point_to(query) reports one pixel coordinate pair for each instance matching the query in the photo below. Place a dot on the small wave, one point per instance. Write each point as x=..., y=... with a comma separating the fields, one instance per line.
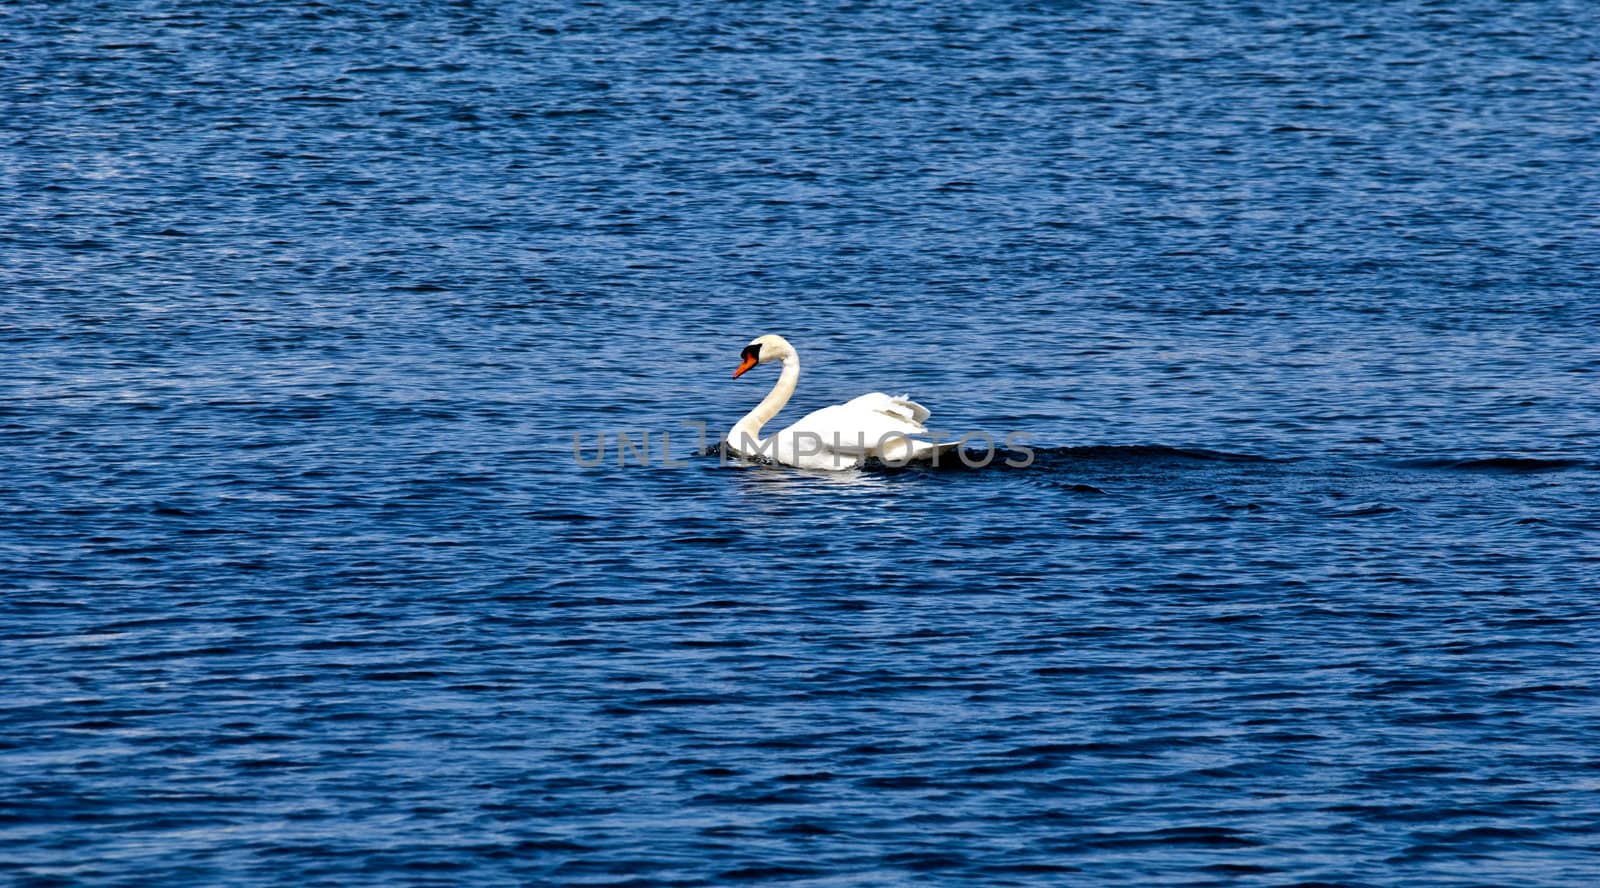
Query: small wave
x=1361, y=510
x=1178, y=836
x=1494, y=464
x=318, y=99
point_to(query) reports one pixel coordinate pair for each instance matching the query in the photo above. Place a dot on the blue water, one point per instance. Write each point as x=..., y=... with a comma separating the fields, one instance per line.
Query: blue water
x=304, y=583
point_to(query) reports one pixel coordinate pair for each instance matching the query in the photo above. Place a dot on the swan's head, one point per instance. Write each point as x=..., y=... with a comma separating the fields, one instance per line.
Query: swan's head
x=761, y=350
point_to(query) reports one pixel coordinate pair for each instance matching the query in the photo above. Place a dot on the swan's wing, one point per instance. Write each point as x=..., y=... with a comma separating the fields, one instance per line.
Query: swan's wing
x=901, y=407
x=857, y=426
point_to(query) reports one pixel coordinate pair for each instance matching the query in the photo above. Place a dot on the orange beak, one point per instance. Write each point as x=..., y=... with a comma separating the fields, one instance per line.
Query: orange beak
x=748, y=362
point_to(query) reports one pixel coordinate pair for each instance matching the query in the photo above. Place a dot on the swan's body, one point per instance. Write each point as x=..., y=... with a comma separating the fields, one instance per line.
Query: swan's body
x=873, y=426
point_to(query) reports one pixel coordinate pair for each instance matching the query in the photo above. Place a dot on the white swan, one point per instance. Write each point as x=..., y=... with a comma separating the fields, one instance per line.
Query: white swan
x=839, y=437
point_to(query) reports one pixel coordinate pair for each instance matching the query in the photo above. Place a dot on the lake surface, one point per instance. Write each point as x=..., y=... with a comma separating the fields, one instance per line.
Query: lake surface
x=304, y=581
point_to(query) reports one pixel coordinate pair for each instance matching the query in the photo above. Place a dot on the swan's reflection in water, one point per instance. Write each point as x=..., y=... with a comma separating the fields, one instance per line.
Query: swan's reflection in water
x=776, y=491
x=786, y=481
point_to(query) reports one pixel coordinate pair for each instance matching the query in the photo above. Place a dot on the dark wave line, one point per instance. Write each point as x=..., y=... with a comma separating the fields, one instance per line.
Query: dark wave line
x=1006, y=458
x=1495, y=464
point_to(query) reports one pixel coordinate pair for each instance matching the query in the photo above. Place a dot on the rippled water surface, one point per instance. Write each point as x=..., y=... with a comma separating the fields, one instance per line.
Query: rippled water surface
x=304, y=581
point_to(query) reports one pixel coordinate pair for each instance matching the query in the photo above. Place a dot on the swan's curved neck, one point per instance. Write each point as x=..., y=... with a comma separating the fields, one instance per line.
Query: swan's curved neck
x=750, y=426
